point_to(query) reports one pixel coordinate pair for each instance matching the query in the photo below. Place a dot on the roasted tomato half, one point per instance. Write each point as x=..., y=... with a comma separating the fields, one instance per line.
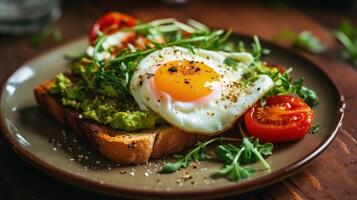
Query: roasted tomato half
x=110, y=23
x=284, y=118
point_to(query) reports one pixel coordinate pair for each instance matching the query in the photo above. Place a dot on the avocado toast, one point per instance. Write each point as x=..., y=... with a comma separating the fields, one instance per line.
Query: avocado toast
x=123, y=147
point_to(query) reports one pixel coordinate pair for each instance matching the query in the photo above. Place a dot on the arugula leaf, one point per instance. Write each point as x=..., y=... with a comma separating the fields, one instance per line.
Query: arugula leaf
x=314, y=129
x=51, y=31
x=207, y=41
x=246, y=153
x=196, y=154
x=234, y=171
x=226, y=152
x=308, y=41
x=284, y=84
x=247, y=156
x=257, y=50
x=253, y=152
x=347, y=28
x=308, y=95
x=198, y=25
x=304, y=40
x=99, y=44
x=172, y=167
x=347, y=35
x=264, y=149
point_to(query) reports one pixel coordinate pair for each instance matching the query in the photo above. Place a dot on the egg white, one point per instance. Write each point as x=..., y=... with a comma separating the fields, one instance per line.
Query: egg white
x=212, y=114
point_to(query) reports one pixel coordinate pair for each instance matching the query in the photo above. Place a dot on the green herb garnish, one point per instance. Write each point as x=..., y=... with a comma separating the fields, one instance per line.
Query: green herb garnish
x=198, y=40
x=304, y=40
x=233, y=156
x=51, y=32
x=196, y=154
x=98, y=45
x=347, y=35
x=246, y=153
x=234, y=171
x=314, y=129
x=257, y=50
x=283, y=82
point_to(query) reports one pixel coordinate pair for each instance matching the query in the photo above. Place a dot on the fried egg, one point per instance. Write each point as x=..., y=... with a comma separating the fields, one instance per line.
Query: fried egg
x=195, y=90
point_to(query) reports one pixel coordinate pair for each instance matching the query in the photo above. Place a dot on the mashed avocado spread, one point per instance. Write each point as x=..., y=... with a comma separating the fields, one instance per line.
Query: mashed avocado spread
x=123, y=114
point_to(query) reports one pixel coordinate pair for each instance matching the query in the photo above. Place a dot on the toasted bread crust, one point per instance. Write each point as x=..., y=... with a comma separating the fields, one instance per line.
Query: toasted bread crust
x=122, y=147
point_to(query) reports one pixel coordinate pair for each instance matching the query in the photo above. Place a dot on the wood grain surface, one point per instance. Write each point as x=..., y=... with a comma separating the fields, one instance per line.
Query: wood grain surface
x=332, y=176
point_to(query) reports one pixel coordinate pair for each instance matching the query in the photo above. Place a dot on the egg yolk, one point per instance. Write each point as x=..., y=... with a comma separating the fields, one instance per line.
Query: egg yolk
x=185, y=80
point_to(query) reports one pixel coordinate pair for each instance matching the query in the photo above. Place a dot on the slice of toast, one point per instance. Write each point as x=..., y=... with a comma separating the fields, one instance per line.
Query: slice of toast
x=122, y=147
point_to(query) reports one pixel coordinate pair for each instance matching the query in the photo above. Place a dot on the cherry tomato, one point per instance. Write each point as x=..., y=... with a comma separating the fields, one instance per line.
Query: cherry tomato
x=109, y=23
x=284, y=118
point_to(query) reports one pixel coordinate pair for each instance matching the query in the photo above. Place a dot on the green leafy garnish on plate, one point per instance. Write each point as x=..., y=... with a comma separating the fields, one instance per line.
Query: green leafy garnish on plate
x=248, y=152
x=196, y=154
x=233, y=157
x=314, y=129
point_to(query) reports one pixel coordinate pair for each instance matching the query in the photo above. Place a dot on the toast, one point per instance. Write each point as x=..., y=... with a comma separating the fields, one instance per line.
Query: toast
x=122, y=147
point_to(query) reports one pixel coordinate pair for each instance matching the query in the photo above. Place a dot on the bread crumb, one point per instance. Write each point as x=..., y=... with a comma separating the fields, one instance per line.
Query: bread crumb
x=178, y=182
x=204, y=169
x=186, y=176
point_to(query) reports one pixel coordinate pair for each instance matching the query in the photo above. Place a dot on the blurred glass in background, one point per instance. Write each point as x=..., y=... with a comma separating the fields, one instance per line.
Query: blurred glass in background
x=175, y=2
x=27, y=16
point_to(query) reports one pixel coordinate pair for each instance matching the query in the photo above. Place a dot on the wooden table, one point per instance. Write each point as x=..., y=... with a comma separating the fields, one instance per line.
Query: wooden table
x=332, y=176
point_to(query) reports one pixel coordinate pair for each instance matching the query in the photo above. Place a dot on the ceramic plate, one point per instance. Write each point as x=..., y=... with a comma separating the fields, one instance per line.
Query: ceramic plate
x=42, y=141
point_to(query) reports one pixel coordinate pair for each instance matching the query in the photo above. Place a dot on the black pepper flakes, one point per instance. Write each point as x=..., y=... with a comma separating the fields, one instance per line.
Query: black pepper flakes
x=140, y=83
x=149, y=75
x=172, y=69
